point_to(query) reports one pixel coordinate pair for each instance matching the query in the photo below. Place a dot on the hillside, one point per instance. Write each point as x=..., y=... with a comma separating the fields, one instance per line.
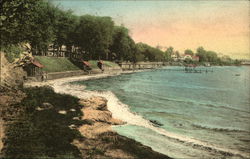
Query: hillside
x=62, y=64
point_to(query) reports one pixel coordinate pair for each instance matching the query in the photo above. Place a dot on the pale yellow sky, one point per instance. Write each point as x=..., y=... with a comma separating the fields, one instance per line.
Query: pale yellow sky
x=221, y=26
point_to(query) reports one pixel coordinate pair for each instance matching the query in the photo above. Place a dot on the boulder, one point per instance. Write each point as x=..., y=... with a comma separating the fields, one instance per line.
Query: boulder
x=45, y=106
x=97, y=103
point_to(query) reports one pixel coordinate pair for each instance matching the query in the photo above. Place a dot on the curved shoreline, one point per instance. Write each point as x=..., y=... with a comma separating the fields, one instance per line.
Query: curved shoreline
x=97, y=127
x=78, y=91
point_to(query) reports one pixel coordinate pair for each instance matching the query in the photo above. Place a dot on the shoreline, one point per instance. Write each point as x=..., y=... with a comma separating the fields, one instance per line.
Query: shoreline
x=101, y=138
x=77, y=90
x=100, y=121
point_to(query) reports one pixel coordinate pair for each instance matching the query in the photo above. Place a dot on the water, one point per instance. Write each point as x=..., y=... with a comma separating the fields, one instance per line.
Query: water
x=203, y=115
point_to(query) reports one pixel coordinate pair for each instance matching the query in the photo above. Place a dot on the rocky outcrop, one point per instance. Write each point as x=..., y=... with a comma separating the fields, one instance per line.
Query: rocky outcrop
x=95, y=112
x=100, y=141
x=10, y=75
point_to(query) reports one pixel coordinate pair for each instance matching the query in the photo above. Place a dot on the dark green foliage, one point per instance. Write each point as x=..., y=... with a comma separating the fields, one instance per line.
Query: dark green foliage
x=45, y=133
x=41, y=30
x=189, y=52
x=212, y=57
x=123, y=46
x=11, y=51
x=65, y=27
x=95, y=36
x=43, y=25
x=149, y=53
x=168, y=53
x=15, y=18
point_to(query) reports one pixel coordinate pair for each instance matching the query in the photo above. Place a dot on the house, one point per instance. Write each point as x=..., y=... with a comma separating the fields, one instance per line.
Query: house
x=189, y=57
x=185, y=57
x=195, y=58
x=34, y=68
x=174, y=57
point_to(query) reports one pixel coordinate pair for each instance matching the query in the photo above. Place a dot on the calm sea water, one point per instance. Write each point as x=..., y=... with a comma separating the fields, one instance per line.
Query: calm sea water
x=212, y=108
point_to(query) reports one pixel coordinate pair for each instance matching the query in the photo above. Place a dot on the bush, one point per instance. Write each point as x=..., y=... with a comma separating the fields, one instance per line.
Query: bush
x=11, y=52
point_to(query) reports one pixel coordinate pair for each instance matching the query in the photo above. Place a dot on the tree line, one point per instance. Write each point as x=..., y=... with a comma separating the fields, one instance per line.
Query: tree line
x=43, y=25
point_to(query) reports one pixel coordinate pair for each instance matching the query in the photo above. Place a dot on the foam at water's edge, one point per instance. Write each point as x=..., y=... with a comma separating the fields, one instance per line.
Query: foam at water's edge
x=121, y=111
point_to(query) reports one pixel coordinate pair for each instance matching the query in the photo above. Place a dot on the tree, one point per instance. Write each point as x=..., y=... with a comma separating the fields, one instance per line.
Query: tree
x=211, y=56
x=201, y=52
x=150, y=53
x=41, y=30
x=15, y=18
x=123, y=45
x=65, y=29
x=189, y=52
x=168, y=53
x=95, y=35
x=177, y=53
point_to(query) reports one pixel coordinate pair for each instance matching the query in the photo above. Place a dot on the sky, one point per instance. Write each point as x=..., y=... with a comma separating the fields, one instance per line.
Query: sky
x=221, y=26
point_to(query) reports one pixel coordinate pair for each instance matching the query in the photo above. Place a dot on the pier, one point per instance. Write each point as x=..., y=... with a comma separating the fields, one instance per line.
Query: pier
x=190, y=70
x=140, y=65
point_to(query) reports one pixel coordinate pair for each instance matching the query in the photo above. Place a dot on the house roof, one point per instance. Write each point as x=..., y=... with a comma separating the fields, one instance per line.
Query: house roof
x=37, y=63
x=86, y=63
x=196, y=57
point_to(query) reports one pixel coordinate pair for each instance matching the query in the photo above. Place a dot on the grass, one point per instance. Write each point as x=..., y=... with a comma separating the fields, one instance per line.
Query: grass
x=61, y=64
x=56, y=64
x=46, y=133
x=93, y=64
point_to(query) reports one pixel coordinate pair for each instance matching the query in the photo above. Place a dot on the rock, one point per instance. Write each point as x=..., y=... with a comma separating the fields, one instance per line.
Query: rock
x=156, y=123
x=45, y=106
x=116, y=122
x=62, y=112
x=76, y=118
x=72, y=126
x=72, y=110
x=97, y=115
x=98, y=103
x=10, y=76
x=4, y=99
x=39, y=109
x=96, y=119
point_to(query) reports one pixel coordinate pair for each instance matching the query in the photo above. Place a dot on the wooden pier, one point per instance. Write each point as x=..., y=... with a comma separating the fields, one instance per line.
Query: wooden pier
x=190, y=70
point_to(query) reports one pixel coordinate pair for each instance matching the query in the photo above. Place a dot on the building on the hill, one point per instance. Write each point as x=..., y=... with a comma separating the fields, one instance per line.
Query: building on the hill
x=34, y=68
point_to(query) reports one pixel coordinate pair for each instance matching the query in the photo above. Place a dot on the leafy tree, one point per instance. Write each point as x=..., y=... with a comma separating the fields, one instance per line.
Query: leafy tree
x=201, y=52
x=189, y=52
x=211, y=56
x=177, y=53
x=150, y=53
x=15, y=18
x=65, y=30
x=41, y=28
x=123, y=45
x=168, y=53
x=95, y=35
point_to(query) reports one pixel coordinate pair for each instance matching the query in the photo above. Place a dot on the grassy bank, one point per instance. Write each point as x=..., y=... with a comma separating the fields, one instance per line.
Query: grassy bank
x=93, y=64
x=56, y=64
x=62, y=64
